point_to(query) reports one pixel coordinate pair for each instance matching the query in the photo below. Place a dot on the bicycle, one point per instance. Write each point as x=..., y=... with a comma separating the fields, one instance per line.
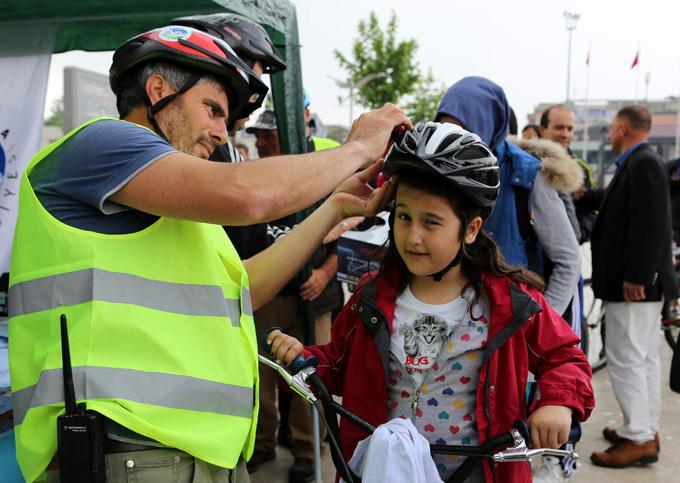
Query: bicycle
x=504, y=448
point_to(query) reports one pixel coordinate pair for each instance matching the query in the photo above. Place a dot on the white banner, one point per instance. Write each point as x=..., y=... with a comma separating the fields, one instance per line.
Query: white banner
x=25, y=53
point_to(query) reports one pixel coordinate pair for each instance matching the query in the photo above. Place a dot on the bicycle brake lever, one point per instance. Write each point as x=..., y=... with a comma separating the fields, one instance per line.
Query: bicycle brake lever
x=520, y=451
x=297, y=382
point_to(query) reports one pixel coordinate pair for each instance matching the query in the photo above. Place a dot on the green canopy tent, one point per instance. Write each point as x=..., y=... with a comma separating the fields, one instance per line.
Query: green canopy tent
x=99, y=25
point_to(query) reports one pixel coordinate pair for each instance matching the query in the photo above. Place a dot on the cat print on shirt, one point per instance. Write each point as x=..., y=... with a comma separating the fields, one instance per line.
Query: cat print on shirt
x=423, y=339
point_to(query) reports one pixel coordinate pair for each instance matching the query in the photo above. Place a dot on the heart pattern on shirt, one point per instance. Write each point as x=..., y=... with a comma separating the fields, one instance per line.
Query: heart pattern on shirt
x=465, y=379
x=429, y=428
x=440, y=379
x=405, y=395
x=454, y=429
x=432, y=402
x=467, y=417
x=447, y=392
x=443, y=415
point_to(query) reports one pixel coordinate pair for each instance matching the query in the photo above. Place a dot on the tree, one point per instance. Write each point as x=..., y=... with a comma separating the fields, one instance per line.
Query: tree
x=422, y=105
x=56, y=114
x=378, y=53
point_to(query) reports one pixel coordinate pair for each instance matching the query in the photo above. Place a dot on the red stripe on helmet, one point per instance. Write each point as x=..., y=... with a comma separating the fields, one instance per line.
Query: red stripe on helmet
x=201, y=39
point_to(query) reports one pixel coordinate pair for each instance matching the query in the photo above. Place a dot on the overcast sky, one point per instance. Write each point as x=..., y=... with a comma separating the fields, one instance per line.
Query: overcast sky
x=521, y=45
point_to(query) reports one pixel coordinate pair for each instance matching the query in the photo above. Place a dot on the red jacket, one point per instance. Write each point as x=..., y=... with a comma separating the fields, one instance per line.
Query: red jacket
x=525, y=334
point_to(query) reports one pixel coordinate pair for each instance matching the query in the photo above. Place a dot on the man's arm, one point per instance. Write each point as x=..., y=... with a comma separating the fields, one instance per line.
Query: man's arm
x=648, y=219
x=557, y=238
x=270, y=270
x=186, y=187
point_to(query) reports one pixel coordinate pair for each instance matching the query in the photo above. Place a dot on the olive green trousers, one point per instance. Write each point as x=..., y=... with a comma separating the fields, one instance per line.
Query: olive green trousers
x=164, y=465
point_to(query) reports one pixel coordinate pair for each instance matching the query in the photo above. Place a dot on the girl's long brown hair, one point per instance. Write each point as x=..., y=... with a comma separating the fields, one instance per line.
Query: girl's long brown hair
x=480, y=256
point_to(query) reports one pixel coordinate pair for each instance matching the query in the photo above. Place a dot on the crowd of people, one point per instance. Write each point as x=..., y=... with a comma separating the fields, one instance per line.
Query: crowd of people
x=172, y=253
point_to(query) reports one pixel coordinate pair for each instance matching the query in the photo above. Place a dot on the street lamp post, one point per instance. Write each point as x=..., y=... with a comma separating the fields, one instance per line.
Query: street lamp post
x=570, y=20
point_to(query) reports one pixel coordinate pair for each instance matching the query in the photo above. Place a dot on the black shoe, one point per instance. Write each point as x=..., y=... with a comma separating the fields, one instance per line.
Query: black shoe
x=302, y=471
x=258, y=459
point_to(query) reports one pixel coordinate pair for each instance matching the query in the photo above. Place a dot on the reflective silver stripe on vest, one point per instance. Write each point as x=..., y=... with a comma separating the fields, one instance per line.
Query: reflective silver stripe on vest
x=87, y=285
x=159, y=389
x=246, y=303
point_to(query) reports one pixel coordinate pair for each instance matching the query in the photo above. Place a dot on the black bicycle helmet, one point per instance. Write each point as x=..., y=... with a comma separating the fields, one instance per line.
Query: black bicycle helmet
x=447, y=150
x=197, y=51
x=248, y=39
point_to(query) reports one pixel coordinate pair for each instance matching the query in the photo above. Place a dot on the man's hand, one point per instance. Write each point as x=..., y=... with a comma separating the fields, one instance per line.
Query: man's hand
x=372, y=130
x=355, y=197
x=315, y=284
x=633, y=292
x=550, y=426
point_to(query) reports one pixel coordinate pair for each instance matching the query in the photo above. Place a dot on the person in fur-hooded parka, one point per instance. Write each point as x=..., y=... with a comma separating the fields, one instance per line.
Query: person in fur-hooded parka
x=559, y=170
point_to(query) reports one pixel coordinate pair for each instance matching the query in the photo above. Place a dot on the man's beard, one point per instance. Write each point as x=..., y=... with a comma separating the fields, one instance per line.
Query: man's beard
x=178, y=133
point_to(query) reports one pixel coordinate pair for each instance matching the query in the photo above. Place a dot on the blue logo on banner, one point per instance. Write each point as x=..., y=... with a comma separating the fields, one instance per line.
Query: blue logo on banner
x=2, y=165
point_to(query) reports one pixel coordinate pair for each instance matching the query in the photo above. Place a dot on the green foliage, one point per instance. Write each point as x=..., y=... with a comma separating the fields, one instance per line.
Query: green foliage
x=378, y=53
x=422, y=105
x=395, y=74
x=56, y=114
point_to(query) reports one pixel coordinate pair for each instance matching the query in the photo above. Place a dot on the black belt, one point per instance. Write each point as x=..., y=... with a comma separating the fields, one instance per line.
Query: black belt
x=113, y=446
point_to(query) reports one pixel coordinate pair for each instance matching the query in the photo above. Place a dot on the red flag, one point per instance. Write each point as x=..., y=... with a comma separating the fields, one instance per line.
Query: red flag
x=636, y=60
x=588, y=58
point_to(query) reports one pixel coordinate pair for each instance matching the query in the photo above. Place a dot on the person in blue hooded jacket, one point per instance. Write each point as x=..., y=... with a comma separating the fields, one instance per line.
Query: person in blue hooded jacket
x=480, y=105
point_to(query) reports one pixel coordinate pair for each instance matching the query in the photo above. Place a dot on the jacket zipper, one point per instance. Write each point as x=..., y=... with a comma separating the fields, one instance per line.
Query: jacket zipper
x=414, y=405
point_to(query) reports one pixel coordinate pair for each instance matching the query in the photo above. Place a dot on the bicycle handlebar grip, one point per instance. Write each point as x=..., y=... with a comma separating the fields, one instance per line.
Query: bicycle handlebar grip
x=523, y=428
x=575, y=432
x=298, y=363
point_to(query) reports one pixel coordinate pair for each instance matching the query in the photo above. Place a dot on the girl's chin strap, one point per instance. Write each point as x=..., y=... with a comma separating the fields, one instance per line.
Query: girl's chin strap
x=437, y=277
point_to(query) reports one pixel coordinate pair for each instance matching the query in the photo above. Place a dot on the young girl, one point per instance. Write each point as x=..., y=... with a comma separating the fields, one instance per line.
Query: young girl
x=446, y=332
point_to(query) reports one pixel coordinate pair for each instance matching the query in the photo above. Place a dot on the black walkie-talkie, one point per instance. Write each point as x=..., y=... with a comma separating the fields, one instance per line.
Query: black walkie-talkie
x=80, y=433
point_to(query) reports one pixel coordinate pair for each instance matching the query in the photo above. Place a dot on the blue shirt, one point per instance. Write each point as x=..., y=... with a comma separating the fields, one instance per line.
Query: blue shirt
x=621, y=159
x=75, y=181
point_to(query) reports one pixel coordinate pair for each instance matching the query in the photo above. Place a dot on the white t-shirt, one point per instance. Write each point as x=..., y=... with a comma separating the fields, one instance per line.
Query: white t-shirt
x=420, y=329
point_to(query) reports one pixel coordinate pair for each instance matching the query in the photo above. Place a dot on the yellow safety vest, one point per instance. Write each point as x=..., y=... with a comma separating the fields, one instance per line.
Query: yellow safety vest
x=160, y=326
x=324, y=143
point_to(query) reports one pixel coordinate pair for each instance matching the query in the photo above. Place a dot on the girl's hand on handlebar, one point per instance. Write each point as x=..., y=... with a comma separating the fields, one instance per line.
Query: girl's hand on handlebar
x=550, y=426
x=284, y=348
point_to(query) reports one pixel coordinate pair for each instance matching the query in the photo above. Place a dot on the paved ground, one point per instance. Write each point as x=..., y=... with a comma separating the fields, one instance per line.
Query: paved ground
x=606, y=414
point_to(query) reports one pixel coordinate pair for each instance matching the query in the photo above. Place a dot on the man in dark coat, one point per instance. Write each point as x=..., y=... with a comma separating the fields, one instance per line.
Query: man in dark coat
x=633, y=273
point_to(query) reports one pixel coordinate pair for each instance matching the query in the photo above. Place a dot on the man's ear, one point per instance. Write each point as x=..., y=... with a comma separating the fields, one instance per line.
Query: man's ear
x=157, y=88
x=473, y=230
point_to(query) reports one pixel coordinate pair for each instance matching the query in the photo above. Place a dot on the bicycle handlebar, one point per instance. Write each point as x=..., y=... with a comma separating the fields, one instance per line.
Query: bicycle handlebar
x=298, y=363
